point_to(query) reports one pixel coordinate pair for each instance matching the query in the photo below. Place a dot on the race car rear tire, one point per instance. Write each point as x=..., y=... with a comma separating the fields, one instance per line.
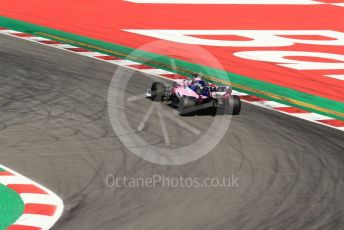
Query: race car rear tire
x=186, y=103
x=157, y=91
x=233, y=105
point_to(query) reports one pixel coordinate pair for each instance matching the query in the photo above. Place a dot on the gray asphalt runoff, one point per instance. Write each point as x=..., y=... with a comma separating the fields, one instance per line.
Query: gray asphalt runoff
x=55, y=129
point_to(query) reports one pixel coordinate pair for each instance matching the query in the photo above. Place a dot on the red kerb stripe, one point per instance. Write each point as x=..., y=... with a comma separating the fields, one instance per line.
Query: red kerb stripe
x=5, y=173
x=108, y=58
x=333, y=122
x=22, y=227
x=50, y=42
x=252, y=98
x=291, y=110
x=139, y=66
x=40, y=209
x=23, y=35
x=26, y=188
x=78, y=49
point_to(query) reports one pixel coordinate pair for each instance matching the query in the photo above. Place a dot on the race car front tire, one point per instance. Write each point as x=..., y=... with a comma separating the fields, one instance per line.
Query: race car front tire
x=158, y=91
x=233, y=105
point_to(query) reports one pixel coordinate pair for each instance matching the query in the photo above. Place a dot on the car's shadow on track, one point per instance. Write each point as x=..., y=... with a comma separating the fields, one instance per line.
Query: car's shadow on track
x=213, y=112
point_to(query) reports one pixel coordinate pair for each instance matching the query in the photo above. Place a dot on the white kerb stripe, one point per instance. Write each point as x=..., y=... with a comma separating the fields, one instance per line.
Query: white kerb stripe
x=337, y=76
x=124, y=62
x=267, y=104
x=310, y=116
x=63, y=46
x=14, y=180
x=37, y=39
x=30, y=198
x=338, y=4
x=91, y=54
x=33, y=220
x=156, y=71
x=239, y=93
x=9, y=32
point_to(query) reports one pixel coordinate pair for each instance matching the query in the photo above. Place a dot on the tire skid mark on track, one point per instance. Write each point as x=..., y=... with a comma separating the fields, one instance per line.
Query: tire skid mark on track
x=42, y=207
x=267, y=104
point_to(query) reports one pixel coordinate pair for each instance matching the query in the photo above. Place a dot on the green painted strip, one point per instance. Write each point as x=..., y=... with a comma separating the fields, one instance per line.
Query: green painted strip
x=262, y=89
x=11, y=207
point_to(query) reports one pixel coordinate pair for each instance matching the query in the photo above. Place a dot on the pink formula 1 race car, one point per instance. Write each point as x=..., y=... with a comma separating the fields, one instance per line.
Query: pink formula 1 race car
x=194, y=94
